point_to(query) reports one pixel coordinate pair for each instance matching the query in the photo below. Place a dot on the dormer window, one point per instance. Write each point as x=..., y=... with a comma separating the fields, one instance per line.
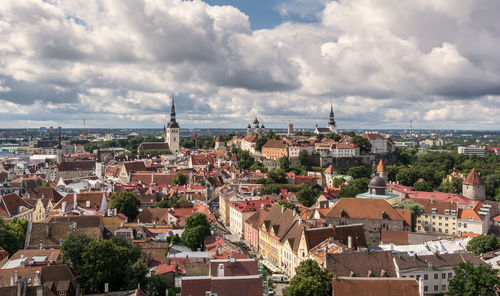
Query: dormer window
x=384, y=215
x=434, y=210
x=343, y=214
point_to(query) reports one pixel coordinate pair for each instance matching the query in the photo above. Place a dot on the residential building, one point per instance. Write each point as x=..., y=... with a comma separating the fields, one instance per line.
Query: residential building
x=340, y=150
x=374, y=214
x=472, y=150
x=379, y=143
x=438, y=217
x=474, y=221
x=435, y=270
x=362, y=264
x=294, y=148
x=274, y=149
x=240, y=211
x=251, y=227
x=369, y=286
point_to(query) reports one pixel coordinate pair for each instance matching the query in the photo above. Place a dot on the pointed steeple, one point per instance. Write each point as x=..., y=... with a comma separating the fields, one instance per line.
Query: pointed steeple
x=173, y=123
x=332, y=121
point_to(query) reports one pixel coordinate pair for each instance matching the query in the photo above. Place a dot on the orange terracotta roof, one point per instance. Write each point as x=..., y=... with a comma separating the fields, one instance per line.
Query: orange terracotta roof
x=473, y=179
x=469, y=214
x=381, y=166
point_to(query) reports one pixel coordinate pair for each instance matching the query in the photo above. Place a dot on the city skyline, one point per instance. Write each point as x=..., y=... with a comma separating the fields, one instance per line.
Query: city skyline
x=381, y=65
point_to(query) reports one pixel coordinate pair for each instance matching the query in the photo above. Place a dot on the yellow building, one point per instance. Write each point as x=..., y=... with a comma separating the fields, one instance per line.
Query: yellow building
x=438, y=217
x=42, y=208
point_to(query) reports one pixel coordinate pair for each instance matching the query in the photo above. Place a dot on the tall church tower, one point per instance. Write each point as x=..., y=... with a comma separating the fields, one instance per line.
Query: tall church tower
x=331, y=124
x=59, y=148
x=172, y=131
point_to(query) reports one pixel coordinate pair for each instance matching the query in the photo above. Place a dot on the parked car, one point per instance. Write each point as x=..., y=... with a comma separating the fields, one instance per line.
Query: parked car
x=280, y=278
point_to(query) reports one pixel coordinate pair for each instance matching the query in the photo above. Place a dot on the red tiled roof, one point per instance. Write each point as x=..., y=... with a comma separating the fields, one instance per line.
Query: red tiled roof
x=363, y=209
x=473, y=179
x=381, y=166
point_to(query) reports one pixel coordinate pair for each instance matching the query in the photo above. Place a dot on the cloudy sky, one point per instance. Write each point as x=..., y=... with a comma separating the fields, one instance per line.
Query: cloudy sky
x=381, y=63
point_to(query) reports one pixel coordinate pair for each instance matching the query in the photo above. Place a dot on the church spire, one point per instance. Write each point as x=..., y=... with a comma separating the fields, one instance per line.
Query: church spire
x=173, y=122
x=332, y=120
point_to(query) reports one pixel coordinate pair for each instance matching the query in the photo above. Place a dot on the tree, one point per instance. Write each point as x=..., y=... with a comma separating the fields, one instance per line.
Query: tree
x=333, y=136
x=348, y=191
x=482, y=244
x=73, y=248
x=126, y=203
x=172, y=240
x=289, y=205
x=422, y=186
x=245, y=160
x=277, y=176
x=13, y=234
x=337, y=181
x=359, y=172
x=416, y=210
x=106, y=262
x=284, y=163
x=364, y=144
x=304, y=158
x=157, y=285
x=195, y=231
x=473, y=280
x=451, y=186
x=310, y=280
x=308, y=196
x=180, y=179
x=407, y=176
x=257, y=165
x=361, y=184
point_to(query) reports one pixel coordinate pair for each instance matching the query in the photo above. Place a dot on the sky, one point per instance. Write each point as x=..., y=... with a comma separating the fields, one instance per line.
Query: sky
x=379, y=63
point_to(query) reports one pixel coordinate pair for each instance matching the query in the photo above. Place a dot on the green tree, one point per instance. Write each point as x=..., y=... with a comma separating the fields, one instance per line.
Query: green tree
x=73, y=248
x=348, y=191
x=422, y=186
x=106, y=262
x=361, y=184
x=277, y=176
x=195, y=231
x=270, y=189
x=180, y=179
x=284, y=163
x=288, y=205
x=470, y=280
x=337, y=181
x=333, y=136
x=364, y=144
x=308, y=196
x=257, y=165
x=304, y=158
x=126, y=203
x=482, y=244
x=13, y=234
x=172, y=240
x=407, y=176
x=359, y=172
x=156, y=286
x=310, y=280
x=451, y=186
x=416, y=210
x=245, y=160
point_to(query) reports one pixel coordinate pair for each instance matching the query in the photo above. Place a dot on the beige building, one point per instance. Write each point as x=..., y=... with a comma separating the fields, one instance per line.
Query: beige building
x=438, y=217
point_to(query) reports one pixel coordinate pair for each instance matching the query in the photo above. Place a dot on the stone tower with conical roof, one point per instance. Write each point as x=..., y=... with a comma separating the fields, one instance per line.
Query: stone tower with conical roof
x=172, y=134
x=382, y=170
x=473, y=186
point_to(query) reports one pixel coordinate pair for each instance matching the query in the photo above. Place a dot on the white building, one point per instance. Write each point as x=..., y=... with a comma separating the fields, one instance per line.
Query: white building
x=172, y=131
x=240, y=211
x=379, y=143
x=472, y=150
x=344, y=150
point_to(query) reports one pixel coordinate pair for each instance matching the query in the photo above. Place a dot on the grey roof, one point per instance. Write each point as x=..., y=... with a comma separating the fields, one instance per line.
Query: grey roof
x=377, y=181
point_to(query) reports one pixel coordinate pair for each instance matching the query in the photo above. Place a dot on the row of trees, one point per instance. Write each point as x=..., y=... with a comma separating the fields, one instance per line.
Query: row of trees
x=131, y=143
x=13, y=234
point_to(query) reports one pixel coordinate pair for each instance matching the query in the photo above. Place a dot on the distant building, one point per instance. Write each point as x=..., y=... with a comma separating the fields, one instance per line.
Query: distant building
x=472, y=150
x=219, y=143
x=377, y=189
x=331, y=127
x=274, y=149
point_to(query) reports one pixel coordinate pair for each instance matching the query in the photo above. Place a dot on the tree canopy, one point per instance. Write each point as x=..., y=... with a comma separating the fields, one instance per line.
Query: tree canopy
x=470, y=280
x=73, y=248
x=126, y=203
x=277, y=176
x=364, y=144
x=359, y=172
x=310, y=280
x=482, y=244
x=180, y=179
x=195, y=231
x=416, y=210
x=308, y=196
x=13, y=234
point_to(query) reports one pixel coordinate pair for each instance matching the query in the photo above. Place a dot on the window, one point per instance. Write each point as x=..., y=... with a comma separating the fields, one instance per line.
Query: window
x=436, y=287
x=411, y=275
x=443, y=275
x=465, y=225
x=440, y=217
x=443, y=287
x=436, y=276
x=418, y=277
x=459, y=224
x=450, y=275
x=440, y=224
x=420, y=228
x=426, y=276
x=426, y=288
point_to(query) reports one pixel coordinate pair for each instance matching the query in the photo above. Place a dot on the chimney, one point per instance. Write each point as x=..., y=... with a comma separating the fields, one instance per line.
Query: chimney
x=349, y=241
x=421, y=286
x=220, y=270
x=75, y=204
x=40, y=246
x=282, y=209
x=87, y=203
x=15, y=276
x=64, y=205
x=262, y=206
x=37, y=281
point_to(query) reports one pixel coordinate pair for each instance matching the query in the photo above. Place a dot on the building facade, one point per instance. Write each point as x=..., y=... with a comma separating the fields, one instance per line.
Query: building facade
x=172, y=134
